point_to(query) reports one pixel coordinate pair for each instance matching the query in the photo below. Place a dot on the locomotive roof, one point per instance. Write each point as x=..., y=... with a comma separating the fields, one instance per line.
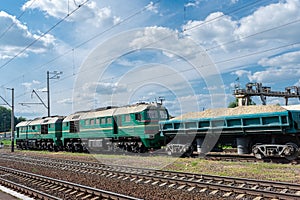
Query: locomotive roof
x=133, y=109
x=110, y=111
x=23, y=123
x=37, y=121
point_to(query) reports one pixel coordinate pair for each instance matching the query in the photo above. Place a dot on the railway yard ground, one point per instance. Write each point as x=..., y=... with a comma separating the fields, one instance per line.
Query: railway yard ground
x=249, y=170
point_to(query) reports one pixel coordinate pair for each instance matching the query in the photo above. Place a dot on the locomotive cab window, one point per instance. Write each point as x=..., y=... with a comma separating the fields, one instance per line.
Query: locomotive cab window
x=127, y=118
x=74, y=126
x=138, y=117
x=103, y=120
x=163, y=114
x=92, y=121
x=152, y=114
x=44, y=129
x=109, y=120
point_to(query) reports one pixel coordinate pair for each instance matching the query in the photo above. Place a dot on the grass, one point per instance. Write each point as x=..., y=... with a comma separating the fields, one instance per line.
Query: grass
x=263, y=171
x=6, y=142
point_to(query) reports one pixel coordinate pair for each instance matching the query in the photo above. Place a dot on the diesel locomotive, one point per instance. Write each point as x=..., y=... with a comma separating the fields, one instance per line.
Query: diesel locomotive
x=131, y=128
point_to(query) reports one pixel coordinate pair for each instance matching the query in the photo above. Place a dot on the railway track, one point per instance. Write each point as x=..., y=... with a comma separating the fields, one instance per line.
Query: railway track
x=225, y=187
x=40, y=187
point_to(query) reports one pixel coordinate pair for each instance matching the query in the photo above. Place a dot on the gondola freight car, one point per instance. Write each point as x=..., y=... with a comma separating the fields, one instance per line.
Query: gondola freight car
x=265, y=131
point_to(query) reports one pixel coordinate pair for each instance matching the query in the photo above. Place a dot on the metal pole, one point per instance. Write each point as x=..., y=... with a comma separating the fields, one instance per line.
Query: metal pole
x=12, y=121
x=48, y=93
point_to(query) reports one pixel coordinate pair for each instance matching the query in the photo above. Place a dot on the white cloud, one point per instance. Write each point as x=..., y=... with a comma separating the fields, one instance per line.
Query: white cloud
x=90, y=12
x=271, y=16
x=192, y=3
x=129, y=63
x=290, y=59
x=281, y=67
x=17, y=37
x=66, y=101
x=152, y=7
x=212, y=33
x=29, y=85
x=275, y=75
x=227, y=39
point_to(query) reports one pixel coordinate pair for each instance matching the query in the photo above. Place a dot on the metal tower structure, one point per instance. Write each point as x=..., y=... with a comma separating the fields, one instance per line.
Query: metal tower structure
x=257, y=89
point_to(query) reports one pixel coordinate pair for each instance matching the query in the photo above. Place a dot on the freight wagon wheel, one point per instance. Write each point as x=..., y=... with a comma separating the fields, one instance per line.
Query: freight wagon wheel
x=259, y=155
x=294, y=152
x=257, y=152
x=169, y=150
x=189, y=152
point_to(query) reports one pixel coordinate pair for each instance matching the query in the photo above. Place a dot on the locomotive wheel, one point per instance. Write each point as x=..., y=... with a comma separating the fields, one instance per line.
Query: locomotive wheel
x=55, y=148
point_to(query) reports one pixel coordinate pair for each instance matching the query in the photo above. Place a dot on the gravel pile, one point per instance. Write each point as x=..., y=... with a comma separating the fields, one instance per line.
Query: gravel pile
x=231, y=111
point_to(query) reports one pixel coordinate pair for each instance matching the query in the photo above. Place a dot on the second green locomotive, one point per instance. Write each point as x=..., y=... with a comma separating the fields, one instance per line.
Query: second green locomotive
x=131, y=128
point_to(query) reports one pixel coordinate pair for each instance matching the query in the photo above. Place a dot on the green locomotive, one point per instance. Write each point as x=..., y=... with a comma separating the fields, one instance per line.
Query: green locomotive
x=132, y=128
x=40, y=133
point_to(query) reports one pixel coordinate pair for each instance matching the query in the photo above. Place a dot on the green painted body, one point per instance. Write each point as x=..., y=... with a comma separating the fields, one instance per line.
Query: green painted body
x=128, y=126
x=285, y=122
x=36, y=132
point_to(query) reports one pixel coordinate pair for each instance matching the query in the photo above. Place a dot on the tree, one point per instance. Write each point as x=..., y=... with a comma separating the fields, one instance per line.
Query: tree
x=5, y=115
x=235, y=103
x=5, y=119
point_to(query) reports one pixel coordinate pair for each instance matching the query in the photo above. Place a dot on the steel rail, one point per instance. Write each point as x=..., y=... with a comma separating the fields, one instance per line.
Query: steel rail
x=27, y=190
x=268, y=189
x=74, y=186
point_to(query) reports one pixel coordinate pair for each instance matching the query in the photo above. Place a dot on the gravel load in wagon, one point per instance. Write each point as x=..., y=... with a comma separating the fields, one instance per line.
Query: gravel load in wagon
x=218, y=112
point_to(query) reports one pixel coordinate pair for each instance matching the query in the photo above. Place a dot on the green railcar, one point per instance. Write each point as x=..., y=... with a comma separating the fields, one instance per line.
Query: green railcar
x=265, y=131
x=131, y=128
x=40, y=134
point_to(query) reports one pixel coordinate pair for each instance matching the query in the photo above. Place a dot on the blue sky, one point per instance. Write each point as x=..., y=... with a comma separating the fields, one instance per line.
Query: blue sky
x=116, y=52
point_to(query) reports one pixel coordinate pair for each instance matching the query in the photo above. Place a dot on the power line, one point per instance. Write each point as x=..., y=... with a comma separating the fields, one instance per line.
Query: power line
x=213, y=47
x=42, y=35
x=164, y=38
x=92, y=38
x=131, y=16
x=12, y=24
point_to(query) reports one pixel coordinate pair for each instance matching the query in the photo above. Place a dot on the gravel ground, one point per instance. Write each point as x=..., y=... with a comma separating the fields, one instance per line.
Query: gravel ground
x=262, y=171
x=143, y=191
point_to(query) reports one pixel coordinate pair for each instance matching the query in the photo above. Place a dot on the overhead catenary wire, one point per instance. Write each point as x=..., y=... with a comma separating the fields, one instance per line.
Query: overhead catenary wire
x=12, y=24
x=96, y=36
x=163, y=38
x=128, y=18
x=90, y=39
x=41, y=36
